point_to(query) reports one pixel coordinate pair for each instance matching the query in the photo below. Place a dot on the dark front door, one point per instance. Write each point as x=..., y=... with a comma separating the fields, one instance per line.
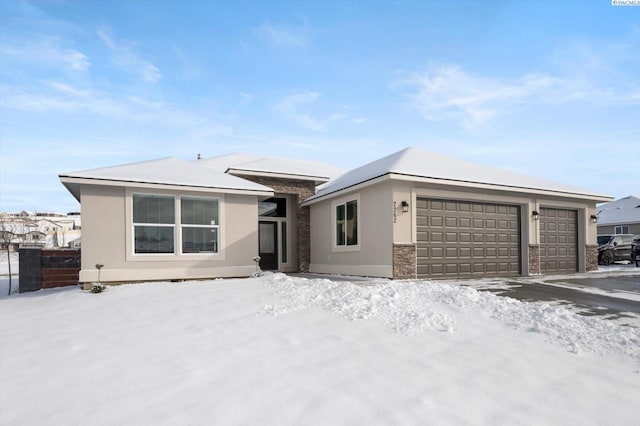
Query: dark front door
x=268, y=237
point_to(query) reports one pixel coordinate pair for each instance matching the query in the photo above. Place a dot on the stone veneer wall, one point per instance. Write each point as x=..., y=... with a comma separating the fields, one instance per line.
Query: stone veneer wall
x=592, y=258
x=534, y=259
x=404, y=261
x=303, y=189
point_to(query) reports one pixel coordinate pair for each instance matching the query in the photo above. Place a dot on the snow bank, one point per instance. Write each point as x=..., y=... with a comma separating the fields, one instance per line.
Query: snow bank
x=278, y=350
x=416, y=307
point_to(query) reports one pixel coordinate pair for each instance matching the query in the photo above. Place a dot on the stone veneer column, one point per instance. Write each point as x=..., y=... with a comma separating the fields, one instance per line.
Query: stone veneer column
x=534, y=259
x=303, y=189
x=404, y=261
x=592, y=258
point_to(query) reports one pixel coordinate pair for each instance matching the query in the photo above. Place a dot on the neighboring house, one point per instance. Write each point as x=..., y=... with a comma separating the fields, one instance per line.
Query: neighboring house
x=620, y=216
x=43, y=229
x=413, y=214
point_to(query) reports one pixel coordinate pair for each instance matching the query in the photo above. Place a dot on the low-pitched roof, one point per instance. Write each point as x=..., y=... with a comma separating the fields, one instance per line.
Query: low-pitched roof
x=257, y=165
x=168, y=172
x=418, y=165
x=620, y=212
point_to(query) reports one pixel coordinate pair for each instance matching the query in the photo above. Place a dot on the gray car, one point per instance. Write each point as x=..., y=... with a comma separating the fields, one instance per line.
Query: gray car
x=612, y=248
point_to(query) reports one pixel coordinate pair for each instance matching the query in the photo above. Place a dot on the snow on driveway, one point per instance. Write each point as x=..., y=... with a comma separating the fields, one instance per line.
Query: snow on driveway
x=279, y=350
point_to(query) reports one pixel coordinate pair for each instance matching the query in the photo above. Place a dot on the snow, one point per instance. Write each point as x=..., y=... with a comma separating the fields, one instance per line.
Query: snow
x=238, y=162
x=623, y=211
x=164, y=171
x=417, y=163
x=282, y=350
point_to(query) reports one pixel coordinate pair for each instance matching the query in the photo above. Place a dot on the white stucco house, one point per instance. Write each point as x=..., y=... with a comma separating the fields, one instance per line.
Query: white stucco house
x=412, y=214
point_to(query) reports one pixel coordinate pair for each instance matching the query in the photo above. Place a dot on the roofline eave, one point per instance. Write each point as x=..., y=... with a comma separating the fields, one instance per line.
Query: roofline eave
x=70, y=180
x=291, y=176
x=457, y=183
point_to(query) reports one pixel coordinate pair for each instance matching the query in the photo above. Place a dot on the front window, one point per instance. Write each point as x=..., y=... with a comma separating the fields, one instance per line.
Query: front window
x=160, y=224
x=347, y=224
x=622, y=230
x=199, y=220
x=153, y=223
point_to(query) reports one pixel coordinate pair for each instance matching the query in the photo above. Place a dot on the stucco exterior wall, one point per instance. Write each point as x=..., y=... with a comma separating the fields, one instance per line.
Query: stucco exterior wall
x=634, y=228
x=374, y=256
x=107, y=239
x=384, y=225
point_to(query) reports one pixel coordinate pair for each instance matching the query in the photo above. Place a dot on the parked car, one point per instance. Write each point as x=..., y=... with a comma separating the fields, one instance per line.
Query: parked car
x=635, y=250
x=612, y=248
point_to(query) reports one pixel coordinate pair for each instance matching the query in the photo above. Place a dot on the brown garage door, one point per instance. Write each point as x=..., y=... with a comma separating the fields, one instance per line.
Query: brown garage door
x=558, y=240
x=462, y=239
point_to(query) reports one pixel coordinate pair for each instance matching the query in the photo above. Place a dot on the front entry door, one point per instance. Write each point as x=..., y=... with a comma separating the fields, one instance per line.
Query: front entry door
x=268, y=241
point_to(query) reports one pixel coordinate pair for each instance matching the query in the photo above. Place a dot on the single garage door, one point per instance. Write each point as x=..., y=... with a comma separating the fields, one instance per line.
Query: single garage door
x=558, y=240
x=463, y=238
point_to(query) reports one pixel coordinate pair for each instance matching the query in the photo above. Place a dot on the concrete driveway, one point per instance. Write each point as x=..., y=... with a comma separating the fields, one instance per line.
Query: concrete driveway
x=613, y=293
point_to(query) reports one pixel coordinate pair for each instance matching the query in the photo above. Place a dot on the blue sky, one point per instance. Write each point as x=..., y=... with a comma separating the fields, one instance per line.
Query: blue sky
x=547, y=88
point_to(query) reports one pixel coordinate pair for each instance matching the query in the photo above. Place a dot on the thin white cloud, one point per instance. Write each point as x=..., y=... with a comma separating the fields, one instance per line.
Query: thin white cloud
x=59, y=97
x=290, y=108
x=283, y=37
x=448, y=92
x=125, y=56
x=47, y=50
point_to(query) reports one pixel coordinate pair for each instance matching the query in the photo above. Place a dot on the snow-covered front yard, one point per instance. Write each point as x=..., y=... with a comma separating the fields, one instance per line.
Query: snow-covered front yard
x=280, y=350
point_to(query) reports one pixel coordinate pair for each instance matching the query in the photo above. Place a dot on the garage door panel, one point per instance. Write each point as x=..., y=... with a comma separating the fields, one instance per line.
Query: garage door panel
x=471, y=238
x=558, y=240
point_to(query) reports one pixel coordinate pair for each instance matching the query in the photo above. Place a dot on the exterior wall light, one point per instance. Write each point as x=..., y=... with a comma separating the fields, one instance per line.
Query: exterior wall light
x=594, y=218
x=535, y=215
x=405, y=207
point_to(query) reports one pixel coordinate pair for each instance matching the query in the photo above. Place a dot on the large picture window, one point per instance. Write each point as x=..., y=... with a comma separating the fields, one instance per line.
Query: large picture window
x=153, y=223
x=199, y=223
x=157, y=217
x=347, y=224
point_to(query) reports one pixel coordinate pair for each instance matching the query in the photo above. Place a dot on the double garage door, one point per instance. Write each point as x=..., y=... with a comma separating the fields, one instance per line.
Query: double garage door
x=465, y=239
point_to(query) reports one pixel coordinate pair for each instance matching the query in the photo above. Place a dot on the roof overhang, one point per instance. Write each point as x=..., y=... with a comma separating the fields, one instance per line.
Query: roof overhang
x=457, y=184
x=317, y=180
x=73, y=185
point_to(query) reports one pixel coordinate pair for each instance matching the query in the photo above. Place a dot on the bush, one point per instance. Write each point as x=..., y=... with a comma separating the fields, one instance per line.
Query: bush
x=97, y=288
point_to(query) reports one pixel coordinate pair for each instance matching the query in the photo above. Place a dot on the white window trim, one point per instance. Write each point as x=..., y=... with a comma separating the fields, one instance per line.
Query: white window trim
x=181, y=226
x=177, y=254
x=159, y=225
x=344, y=201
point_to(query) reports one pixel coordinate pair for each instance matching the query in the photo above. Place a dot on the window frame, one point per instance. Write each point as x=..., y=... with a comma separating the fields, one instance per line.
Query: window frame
x=334, y=224
x=148, y=224
x=178, y=252
x=621, y=228
x=216, y=226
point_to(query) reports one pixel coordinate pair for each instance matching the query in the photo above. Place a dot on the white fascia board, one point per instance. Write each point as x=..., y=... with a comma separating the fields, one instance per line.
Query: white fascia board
x=244, y=172
x=356, y=187
x=137, y=184
x=469, y=184
x=462, y=184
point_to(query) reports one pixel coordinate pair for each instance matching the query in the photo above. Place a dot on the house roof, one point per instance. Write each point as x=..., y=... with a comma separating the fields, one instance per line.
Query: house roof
x=619, y=212
x=418, y=165
x=169, y=172
x=257, y=165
